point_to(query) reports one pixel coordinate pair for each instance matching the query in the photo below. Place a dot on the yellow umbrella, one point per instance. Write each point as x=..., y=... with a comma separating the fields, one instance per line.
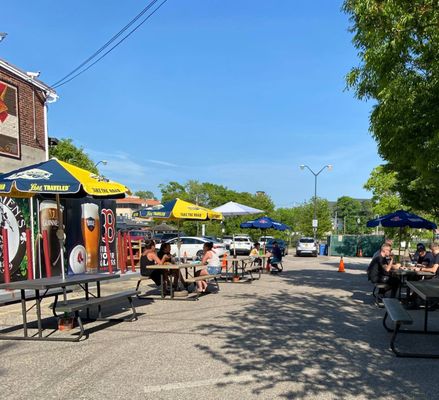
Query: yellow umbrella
x=178, y=209
x=58, y=178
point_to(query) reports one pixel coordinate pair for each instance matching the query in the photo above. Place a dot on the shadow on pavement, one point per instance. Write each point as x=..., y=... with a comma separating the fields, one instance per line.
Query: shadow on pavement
x=317, y=342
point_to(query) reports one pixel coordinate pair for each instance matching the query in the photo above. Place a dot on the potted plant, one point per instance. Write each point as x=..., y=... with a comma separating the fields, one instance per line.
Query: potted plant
x=66, y=322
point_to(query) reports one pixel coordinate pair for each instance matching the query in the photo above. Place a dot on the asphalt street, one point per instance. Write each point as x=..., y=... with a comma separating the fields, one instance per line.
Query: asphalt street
x=307, y=333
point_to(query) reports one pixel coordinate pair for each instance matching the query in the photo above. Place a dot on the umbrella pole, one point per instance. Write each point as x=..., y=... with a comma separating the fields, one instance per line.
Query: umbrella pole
x=178, y=241
x=32, y=232
x=400, y=239
x=60, y=236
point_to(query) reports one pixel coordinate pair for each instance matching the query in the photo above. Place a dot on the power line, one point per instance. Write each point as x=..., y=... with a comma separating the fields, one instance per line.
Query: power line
x=64, y=80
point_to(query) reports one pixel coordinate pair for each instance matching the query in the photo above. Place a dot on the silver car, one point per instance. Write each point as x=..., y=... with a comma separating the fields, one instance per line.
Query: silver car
x=306, y=245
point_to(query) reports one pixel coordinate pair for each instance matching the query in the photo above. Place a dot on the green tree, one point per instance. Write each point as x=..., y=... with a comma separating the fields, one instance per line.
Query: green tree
x=66, y=151
x=351, y=212
x=306, y=214
x=145, y=194
x=385, y=197
x=398, y=47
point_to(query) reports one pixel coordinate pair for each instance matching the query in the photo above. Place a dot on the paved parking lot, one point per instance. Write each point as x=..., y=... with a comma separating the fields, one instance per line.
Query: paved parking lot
x=307, y=333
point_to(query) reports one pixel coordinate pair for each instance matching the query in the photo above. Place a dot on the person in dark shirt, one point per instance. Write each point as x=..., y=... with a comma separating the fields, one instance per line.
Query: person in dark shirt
x=425, y=258
x=275, y=258
x=434, y=264
x=380, y=267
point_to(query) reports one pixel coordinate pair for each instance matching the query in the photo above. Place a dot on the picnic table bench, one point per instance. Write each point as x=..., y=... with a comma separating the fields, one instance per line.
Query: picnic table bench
x=74, y=306
x=399, y=316
x=41, y=288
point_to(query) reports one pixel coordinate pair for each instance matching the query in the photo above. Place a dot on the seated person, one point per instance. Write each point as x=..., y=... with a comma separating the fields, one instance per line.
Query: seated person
x=211, y=259
x=423, y=258
x=387, y=241
x=380, y=267
x=275, y=258
x=255, y=252
x=434, y=264
x=149, y=257
x=165, y=255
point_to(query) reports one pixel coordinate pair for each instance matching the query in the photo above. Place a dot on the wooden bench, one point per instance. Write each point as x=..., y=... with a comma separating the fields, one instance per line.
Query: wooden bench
x=31, y=297
x=252, y=267
x=195, y=279
x=74, y=306
x=378, y=298
x=399, y=316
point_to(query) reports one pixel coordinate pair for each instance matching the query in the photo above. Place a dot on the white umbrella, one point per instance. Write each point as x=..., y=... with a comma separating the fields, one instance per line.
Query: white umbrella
x=232, y=209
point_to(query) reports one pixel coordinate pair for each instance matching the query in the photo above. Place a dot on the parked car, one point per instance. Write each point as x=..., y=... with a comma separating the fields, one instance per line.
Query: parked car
x=193, y=247
x=228, y=239
x=243, y=245
x=137, y=234
x=281, y=243
x=306, y=245
x=263, y=240
x=167, y=236
x=217, y=239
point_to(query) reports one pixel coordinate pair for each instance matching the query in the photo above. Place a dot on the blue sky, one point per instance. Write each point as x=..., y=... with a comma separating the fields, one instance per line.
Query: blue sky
x=234, y=92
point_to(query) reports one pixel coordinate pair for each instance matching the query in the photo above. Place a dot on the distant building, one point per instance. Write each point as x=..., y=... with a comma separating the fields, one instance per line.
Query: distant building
x=23, y=117
x=125, y=207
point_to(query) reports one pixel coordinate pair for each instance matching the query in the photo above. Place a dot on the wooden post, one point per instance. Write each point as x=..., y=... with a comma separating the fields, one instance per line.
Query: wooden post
x=120, y=253
x=133, y=267
x=30, y=266
x=6, y=272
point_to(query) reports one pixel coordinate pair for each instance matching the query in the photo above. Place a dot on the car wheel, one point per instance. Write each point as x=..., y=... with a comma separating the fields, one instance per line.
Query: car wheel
x=199, y=255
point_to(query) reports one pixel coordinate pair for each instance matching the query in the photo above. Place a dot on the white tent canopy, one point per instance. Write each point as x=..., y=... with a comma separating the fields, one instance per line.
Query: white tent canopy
x=231, y=209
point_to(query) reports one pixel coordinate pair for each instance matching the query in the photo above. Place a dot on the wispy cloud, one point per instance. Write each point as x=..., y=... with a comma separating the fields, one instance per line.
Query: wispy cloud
x=165, y=163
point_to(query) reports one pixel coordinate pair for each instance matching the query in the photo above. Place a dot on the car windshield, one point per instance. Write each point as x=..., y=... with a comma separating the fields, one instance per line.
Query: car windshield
x=238, y=239
x=306, y=240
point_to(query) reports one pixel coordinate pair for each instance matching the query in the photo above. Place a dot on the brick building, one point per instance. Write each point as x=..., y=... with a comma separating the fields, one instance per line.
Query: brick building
x=23, y=117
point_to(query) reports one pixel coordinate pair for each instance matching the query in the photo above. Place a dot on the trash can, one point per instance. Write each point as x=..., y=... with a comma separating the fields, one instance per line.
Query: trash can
x=322, y=249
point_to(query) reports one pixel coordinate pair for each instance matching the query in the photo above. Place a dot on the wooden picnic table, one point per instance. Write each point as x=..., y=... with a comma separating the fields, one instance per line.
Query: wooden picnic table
x=427, y=290
x=404, y=274
x=45, y=284
x=172, y=267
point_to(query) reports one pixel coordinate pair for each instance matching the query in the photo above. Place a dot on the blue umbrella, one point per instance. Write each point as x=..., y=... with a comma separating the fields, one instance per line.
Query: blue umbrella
x=265, y=223
x=400, y=219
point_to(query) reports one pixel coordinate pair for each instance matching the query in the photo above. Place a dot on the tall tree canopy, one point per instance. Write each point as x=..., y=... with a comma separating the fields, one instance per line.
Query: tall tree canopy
x=66, y=151
x=145, y=194
x=398, y=46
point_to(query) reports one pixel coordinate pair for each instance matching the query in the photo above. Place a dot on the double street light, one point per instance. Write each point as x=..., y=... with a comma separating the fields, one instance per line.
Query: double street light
x=316, y=174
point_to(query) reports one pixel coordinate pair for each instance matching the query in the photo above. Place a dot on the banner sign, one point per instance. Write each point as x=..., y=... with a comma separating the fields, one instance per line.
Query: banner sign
x=89, y=223
x=9, y=124
x=14, y=216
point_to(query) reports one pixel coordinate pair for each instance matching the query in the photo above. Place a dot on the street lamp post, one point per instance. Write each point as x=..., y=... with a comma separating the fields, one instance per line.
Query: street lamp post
x=104, y=162
x=314, y=221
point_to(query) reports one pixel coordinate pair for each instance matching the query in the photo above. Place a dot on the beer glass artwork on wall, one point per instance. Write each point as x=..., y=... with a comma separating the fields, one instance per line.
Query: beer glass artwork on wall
x=90, y=224
x=49, y=223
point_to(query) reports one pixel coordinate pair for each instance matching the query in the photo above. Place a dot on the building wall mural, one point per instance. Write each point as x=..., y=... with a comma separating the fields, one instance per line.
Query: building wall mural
x=9, y=121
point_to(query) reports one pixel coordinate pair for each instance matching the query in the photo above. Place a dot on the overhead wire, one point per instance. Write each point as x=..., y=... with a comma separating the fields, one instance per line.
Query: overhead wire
x=64, y=80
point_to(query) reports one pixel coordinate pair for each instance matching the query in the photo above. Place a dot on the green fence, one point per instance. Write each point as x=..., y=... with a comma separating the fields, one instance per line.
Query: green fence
x=350, y=245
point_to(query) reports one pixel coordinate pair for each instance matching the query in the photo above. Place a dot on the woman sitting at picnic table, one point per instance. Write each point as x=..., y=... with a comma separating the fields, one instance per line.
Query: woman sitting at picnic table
x=255, y=253
x=150, y=257
x=211, y=259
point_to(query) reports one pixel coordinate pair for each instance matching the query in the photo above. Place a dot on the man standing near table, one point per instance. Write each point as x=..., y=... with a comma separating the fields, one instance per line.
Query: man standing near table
x=380, y=267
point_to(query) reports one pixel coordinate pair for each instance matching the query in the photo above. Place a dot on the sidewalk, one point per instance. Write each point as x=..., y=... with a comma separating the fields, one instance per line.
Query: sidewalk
x=309, y=332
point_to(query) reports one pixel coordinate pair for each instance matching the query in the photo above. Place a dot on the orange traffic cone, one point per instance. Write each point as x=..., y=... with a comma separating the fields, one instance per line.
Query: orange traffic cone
x=360, y=253
x=341, y=266
x=224, y=262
